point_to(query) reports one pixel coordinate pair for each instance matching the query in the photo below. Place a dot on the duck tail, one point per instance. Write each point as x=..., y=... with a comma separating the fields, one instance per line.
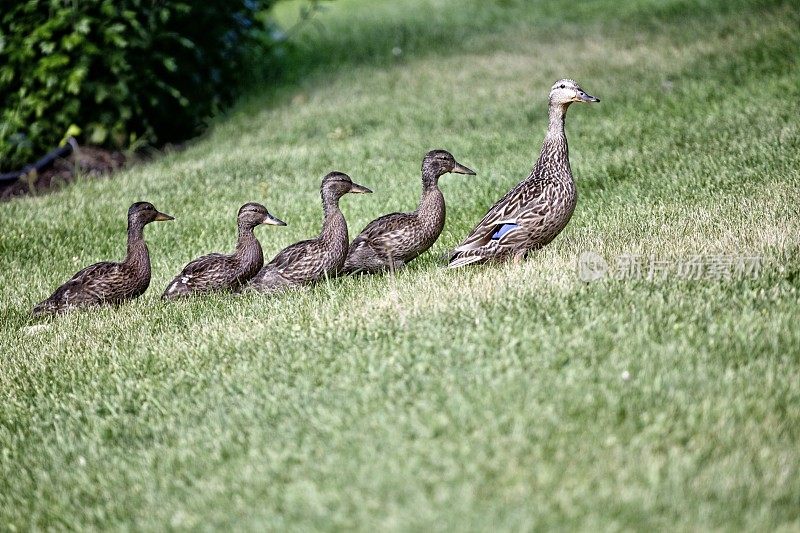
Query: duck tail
x=348, y=267
x=46, y=307
x=459, y=259
x=176, y=288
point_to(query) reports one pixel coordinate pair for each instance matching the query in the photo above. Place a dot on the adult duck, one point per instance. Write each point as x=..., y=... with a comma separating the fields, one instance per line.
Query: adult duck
x=534, y=212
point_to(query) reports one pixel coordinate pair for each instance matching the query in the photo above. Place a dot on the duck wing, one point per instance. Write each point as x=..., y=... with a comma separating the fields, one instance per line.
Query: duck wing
x=98, y=283
x=206, y=273
x=390, y=234
x=518, y=204
x=302, y=262
x=383, y=243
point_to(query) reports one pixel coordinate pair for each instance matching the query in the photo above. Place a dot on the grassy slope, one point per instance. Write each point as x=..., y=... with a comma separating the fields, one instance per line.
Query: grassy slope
x=440, y=399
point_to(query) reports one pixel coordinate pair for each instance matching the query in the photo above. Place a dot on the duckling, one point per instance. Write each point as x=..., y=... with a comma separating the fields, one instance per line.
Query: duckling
x=107, y=282
x=392, y=241
x=534, y=212
x=309, y=261
x=217, y=272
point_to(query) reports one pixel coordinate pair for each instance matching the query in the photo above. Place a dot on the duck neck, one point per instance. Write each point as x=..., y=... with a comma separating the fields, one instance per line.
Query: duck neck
x=432, y=199
x=137, y=249
x=555, y=152
x=430, y=180
x=246, y=239
x=334, y=226
x=247, y=245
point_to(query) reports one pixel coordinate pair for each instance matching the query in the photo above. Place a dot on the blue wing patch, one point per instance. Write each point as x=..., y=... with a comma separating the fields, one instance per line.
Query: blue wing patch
x=505, y=228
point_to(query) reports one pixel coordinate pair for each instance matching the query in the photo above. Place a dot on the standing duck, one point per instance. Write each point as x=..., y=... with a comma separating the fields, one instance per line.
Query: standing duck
x=531, y=214
x=107, y=282
x=394, y=240
x=216, y=272
x=309, y=261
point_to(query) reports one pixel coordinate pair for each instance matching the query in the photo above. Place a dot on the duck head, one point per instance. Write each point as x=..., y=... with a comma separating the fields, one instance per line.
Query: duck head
x=566, y=91
x=439, y=162
x=337, y=184
x=252, y=214
x=142, y=213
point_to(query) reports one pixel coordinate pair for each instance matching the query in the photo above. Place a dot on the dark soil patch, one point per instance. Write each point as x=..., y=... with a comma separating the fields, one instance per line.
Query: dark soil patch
x=85, y=161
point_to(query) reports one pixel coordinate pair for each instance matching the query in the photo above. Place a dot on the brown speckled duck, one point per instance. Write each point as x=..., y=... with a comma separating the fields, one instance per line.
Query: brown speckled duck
x=107, y=282
x=534, y=212
x=309, y=261
x=220, y=272
x=394, y=240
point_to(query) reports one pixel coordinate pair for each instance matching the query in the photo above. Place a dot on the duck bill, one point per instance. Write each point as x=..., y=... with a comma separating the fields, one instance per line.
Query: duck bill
x=359, y=189
x=588, y=98
x=461, y=169
x=273, y=221
x=161, y=217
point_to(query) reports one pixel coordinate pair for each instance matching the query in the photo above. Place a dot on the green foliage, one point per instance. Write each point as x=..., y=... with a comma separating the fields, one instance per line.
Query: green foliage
x=123, y=71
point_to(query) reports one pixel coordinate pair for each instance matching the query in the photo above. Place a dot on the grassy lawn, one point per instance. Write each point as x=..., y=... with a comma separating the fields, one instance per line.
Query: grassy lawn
x=515, y=397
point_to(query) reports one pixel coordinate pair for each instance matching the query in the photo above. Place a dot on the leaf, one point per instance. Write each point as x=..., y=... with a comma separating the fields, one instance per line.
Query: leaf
x=99, y=134
x=74, y=80
x=72, y=131
x=169, y=64
x=83, y=26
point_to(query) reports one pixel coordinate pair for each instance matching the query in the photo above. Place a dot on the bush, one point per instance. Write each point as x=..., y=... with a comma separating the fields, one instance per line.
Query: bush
x=123, y=72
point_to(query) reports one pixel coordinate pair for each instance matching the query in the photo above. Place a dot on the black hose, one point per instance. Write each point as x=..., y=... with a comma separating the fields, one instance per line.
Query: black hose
x=42, y=164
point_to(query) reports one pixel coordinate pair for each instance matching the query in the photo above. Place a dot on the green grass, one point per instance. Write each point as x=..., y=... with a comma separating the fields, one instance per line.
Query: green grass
x=486, y=398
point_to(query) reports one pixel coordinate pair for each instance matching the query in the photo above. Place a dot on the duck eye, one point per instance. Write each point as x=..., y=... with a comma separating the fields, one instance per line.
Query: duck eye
x=562, y=85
